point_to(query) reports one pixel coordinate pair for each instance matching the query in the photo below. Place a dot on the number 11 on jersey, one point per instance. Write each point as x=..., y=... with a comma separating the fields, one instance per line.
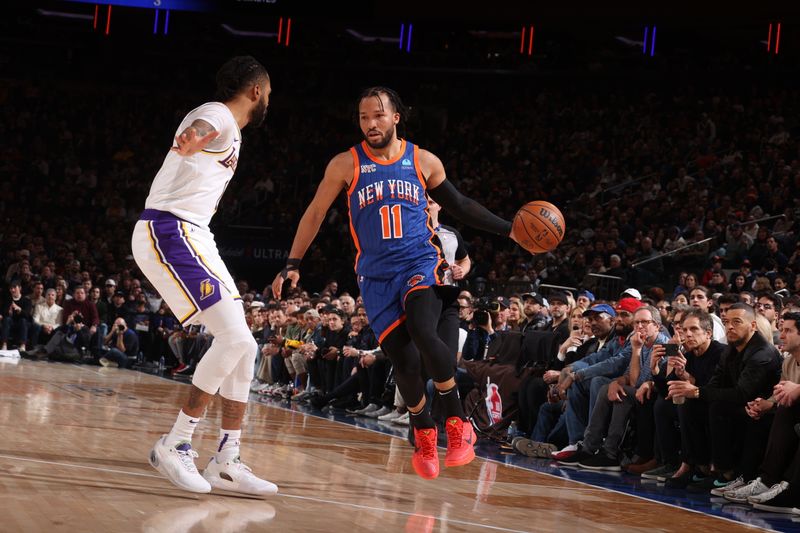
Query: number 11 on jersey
x=391, y=221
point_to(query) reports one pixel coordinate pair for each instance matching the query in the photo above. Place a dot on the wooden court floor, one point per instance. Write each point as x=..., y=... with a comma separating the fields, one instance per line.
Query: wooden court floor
x=74, y=458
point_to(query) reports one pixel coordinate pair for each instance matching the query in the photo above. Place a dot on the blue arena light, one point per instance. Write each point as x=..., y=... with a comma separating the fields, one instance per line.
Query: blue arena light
x=653, y=43
x=408, y=47
x=155, y=22
x=402, y=34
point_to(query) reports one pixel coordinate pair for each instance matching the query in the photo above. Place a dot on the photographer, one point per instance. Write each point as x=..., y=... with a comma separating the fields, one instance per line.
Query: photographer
x=120, y=343
x=482, y=331
x=80, y=318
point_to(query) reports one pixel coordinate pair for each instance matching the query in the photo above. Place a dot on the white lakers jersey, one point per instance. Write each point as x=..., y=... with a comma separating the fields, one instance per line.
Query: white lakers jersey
x=192, y=187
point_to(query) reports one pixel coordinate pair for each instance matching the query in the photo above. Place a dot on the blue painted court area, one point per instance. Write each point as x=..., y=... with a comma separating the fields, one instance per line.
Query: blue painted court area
x=620, y=482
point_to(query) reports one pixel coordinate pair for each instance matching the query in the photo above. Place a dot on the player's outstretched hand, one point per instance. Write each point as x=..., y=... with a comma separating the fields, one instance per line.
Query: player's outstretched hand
x=189, y=143
x=277, y=283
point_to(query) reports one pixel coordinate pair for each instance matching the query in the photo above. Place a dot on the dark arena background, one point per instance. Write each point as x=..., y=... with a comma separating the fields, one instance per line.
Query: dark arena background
x=668, y=134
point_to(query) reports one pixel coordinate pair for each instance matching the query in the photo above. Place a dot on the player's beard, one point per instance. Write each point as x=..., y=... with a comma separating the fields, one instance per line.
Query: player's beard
x=258, y=114
x=388, y=135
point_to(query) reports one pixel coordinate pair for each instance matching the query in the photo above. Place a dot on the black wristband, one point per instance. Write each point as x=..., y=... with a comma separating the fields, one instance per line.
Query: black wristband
x=291, y=264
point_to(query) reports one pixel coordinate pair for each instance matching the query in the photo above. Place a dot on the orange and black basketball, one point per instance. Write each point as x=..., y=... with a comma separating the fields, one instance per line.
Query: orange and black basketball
x=539, y=227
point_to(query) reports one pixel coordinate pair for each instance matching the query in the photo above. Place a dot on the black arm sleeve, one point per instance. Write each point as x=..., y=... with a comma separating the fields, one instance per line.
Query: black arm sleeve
x=468, y=210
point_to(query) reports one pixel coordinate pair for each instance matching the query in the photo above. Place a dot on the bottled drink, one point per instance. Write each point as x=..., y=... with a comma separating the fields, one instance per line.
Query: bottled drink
x=512, y=430
x=161, y=364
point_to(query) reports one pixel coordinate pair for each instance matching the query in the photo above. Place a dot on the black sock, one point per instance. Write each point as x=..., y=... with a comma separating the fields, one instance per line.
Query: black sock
x=422, y=420
x=451, y=403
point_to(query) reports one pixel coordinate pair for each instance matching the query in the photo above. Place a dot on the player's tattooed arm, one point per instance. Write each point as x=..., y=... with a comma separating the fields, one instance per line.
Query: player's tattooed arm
x=195, y=138
x=202, y=127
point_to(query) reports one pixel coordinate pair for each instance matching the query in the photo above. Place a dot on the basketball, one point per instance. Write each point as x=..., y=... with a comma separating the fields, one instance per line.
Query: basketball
x=539, y=226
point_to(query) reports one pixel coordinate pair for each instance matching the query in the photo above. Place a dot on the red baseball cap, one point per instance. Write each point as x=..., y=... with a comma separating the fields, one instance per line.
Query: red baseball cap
x=628, y=304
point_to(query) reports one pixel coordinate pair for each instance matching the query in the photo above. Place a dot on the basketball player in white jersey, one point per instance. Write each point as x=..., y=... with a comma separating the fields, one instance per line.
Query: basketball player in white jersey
x=176, y=251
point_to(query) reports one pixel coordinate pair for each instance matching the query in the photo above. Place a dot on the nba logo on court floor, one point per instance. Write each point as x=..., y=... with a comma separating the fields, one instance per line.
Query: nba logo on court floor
x=206, y=289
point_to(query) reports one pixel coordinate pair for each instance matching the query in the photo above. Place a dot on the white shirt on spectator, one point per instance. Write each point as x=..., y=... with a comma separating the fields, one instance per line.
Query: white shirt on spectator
x=48, y=316
x=719, y=330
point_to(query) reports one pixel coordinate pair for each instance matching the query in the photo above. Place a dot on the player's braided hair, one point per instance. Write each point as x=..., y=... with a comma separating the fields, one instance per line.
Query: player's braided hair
x=238, y=74
x=394, y=99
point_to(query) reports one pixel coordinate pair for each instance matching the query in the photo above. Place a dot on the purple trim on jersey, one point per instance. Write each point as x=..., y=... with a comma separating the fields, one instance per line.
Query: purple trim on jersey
x=203, y=288
x=155, y=214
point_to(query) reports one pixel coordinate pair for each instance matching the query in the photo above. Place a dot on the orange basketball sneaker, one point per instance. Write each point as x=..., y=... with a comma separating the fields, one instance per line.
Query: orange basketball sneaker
x=426, y=457
x=460, y=442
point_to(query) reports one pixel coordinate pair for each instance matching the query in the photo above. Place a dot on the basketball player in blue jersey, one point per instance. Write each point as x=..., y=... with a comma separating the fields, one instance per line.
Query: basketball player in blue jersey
x=398, y=265
x=176, y=251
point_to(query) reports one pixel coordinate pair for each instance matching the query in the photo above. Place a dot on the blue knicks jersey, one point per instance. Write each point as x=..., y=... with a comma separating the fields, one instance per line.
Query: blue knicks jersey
x=389, y=218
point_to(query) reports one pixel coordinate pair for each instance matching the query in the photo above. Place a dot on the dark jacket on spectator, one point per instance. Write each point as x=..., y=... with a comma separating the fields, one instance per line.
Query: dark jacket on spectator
x=743, y=376
x=476, y=344
x=85, y=308
x=365, y=340
x=24, y=303
x=700, y=368
x=129, y=339
x=336, y=339
x=112, y=313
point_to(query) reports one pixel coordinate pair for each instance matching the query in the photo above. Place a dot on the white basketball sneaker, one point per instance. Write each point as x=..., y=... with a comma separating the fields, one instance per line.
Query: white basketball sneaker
x=177, y=463
x=235, y=476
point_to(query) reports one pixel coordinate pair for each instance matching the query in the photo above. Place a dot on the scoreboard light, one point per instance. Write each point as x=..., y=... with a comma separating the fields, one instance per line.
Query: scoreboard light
x=175, y=5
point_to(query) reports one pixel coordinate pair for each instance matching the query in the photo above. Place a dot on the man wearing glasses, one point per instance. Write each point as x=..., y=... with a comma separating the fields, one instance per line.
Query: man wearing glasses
x=617, y=399
x=769, y=306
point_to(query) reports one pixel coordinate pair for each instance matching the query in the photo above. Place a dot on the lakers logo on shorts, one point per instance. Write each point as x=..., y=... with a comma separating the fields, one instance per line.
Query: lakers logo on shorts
x=414, y=280
x=206, y=289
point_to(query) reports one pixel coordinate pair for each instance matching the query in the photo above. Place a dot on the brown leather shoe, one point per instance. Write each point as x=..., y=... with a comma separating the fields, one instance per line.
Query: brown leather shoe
x=639, y=467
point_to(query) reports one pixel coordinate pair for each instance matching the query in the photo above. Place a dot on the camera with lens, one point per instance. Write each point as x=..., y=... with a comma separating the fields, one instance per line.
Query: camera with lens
x=78, y=318
x=484, y=307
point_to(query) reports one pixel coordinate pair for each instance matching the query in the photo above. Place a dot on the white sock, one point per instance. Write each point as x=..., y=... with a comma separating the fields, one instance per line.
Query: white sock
x=183, y=429
x=228, y=448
